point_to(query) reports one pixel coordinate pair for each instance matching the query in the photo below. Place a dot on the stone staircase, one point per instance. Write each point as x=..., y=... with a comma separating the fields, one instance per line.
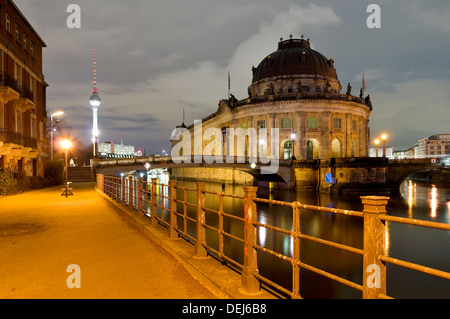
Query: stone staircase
x=80, y=174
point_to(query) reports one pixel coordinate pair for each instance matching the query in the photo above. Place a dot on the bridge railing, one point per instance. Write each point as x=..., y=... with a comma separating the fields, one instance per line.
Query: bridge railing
x=169, y=205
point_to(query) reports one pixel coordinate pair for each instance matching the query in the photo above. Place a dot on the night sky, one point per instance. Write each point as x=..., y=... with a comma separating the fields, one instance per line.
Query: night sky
x=156, y=58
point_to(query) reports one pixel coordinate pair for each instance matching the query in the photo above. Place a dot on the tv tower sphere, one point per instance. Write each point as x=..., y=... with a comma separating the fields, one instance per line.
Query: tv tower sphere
x=95, y=100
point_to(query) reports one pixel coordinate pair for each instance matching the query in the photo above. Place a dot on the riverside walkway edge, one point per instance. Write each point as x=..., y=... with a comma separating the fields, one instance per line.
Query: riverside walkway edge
x=220, y=280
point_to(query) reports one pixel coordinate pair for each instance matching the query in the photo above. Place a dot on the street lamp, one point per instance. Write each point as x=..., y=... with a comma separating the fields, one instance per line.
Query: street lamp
x=293, y=136
x=66, y=144
x=383, y=138
x=377, y=141
x=51, y=132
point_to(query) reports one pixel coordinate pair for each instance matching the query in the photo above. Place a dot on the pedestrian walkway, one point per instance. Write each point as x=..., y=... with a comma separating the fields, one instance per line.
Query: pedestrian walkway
x=42, y=233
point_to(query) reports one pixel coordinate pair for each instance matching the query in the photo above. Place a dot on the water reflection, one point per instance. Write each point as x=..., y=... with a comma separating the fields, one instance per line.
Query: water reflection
x=424, y=246
x=433, y=201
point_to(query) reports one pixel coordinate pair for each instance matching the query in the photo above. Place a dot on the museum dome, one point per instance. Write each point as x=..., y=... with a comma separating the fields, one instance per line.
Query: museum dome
x=295, y=58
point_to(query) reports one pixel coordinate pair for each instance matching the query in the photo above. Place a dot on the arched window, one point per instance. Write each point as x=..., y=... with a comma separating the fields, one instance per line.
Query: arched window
x=287, y=150
x=312, y=149
x=336, y=148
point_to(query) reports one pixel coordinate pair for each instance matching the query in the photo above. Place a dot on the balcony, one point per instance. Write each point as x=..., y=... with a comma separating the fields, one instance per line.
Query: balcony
x=7, y=136
x=25, y=101
x=26, y=93
x=8, y=88
x=8, y=80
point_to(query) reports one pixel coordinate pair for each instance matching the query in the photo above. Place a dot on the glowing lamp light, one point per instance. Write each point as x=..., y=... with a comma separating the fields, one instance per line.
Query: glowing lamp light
x=377, y=141
x=293, y=136
x=66, y=144
x=384, y=137
x=147, y=165
x=57, y=113
x=252, y=165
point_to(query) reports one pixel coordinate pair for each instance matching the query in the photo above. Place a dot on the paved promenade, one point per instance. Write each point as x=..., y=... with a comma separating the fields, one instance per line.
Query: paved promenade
x=42, y=233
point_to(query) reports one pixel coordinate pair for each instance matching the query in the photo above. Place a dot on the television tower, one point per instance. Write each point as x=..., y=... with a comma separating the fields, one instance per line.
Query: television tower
x=95, y=102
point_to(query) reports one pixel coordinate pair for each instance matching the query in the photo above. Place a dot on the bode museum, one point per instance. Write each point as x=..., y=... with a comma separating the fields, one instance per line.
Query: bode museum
x=296, y=90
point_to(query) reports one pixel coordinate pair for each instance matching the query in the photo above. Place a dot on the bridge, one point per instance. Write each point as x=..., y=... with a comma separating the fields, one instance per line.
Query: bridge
x=348, y=174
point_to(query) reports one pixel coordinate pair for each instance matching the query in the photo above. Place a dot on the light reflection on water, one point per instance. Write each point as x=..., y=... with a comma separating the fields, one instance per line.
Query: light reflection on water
x=411, y=243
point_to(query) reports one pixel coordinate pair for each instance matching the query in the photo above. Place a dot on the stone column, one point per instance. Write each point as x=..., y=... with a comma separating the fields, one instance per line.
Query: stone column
x=325, y=143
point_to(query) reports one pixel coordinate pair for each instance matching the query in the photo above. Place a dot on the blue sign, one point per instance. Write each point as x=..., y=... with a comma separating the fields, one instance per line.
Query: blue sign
x=329, y=178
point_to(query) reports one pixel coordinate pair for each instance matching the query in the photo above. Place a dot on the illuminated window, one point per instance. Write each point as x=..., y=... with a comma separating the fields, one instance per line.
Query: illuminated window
x=17, y=33
x=25, y=42
x=261, y=124
x=286, y=123
x=8, y=23
x=336, y=123
x=312, y=122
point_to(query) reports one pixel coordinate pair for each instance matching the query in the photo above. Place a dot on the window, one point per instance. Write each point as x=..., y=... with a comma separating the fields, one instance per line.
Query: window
x=25, y=42
x=312, y=122
x=431, y=147
x=354, y=125
x=32, y=49
x=286, y=123
x=336, y=123
x=261, y=124
x=18, y=120
x=8, y=23
x=17, y=33
x=244, y=126
x=33, y=126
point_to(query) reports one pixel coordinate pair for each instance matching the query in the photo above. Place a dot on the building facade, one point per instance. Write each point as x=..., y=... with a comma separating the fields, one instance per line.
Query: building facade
x=23, y=114
x=118, y=149
x=437, y=145
x=296, y=91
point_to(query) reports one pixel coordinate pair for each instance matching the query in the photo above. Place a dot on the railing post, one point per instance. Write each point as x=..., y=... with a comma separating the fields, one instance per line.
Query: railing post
x=200, y=238
x=116, y=187
x=295, y=251
x=374, y=270
x=153, y=219
x=108, y=183
x=173, y=234
x=130, y=190
x=250, y=283
x=139, y=194
x=123, y=184
x=105, y=184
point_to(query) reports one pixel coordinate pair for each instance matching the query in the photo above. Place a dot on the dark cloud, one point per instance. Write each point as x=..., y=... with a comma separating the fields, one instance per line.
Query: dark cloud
x=156, y=58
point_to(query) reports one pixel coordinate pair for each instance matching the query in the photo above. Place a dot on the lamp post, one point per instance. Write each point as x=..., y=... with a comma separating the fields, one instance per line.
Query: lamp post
x=383, y=138
x=51, y=132
x=377, y=141
x=293, y=136
x=66, y=144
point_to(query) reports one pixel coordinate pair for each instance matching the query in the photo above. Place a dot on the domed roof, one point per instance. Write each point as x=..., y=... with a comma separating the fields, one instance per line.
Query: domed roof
x=294, y=57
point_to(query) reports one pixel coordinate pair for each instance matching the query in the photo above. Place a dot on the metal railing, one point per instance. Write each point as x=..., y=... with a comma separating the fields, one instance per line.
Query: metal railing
x=166, y=204
x=17, y=138
x=8, y=80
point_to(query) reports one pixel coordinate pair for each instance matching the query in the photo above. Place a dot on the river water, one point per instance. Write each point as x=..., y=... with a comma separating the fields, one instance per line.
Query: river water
x=428, y=247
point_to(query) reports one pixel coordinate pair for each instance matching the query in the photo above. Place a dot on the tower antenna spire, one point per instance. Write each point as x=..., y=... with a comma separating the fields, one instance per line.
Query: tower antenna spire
x=95, y=102
x=94, y=89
